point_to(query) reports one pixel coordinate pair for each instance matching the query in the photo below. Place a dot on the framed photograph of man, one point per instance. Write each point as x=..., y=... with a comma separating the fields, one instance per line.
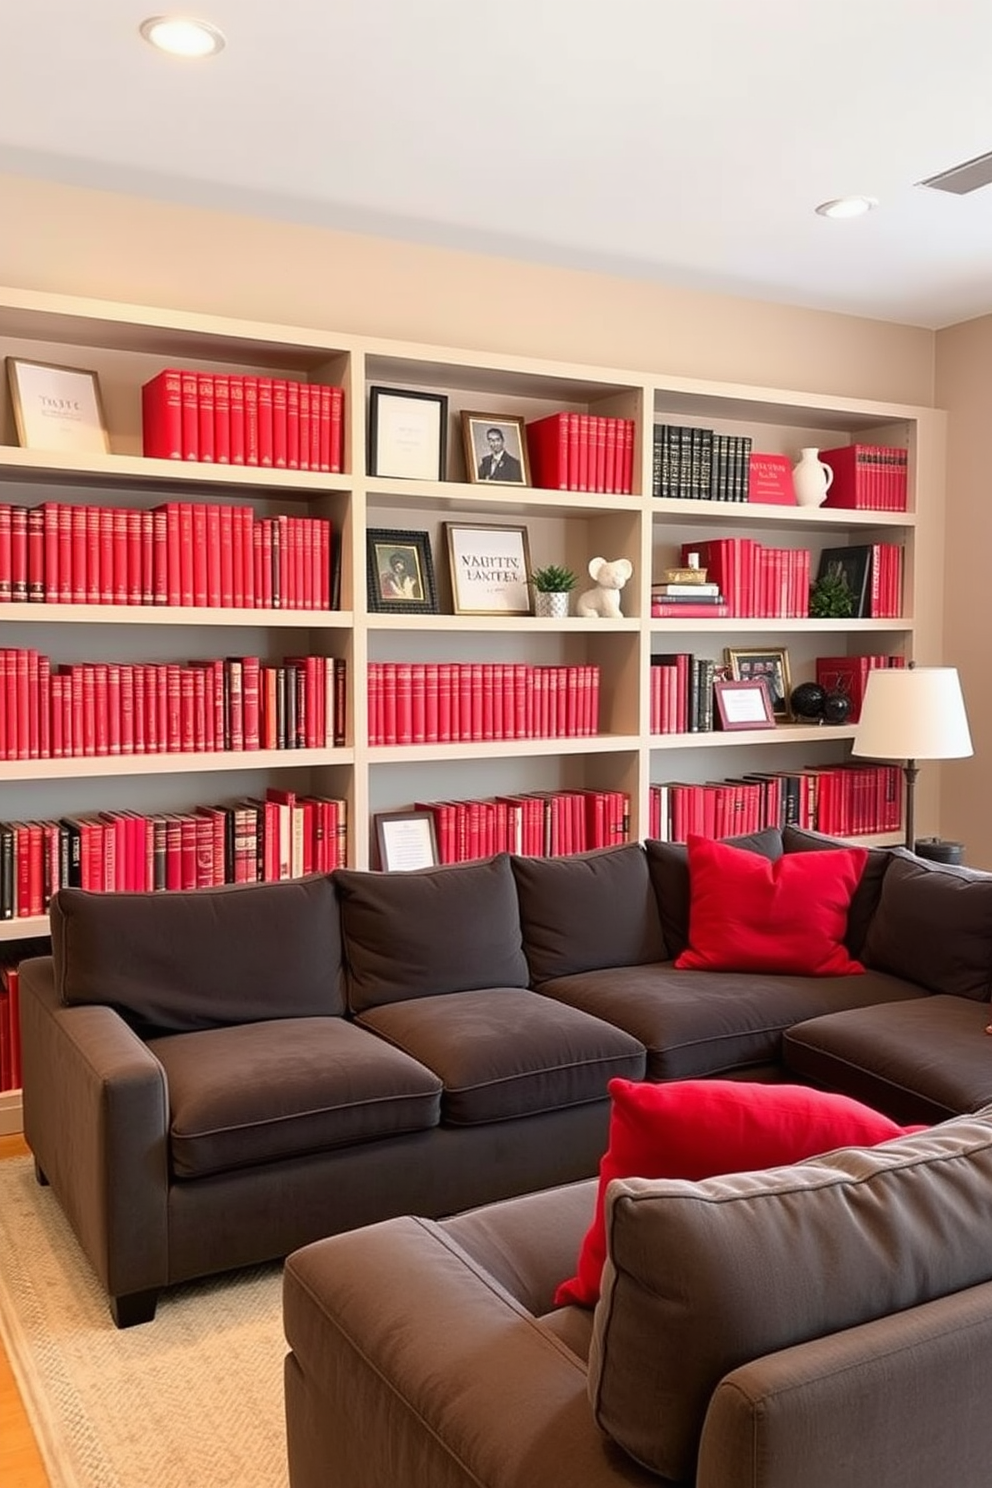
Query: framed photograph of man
x=400, y=573
x=770, y=666
x=495, y=448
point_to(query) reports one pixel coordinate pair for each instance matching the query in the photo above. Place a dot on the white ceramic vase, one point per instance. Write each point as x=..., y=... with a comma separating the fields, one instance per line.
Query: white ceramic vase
x=811, y=478
x=551, y=605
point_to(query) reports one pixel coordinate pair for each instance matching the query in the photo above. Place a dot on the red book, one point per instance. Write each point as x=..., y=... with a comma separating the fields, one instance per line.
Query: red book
x=19, y=553
x=250, y=678
x=222, y=418
x=206, y=413
x=265, y=421
x=226, y=557
x=119, y=556
x=236, y=393
x=251, y=420
x=547, y=446
x=324, y=432
x=161, y=416
x=337, y=430
x=279, y=422
x=303, y=396
x=662, y=611
x=159, y=557
x=293, y=425
x=6, y=577
x=190, y=415
x=770, y=480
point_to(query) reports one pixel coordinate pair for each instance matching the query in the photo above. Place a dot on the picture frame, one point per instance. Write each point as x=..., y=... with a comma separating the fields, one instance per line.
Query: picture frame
x=400, y=572
x=57, y=408
x=495, y=448
x=408, y=433
x=489, y=568
x=853, y=565
x=405, y=840
x=743, y=705
x=768, y=663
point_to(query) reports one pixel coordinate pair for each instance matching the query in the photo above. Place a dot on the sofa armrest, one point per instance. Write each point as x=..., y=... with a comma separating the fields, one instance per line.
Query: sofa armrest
x=881, y=1405
x=411, y=1364
x=96, y=1117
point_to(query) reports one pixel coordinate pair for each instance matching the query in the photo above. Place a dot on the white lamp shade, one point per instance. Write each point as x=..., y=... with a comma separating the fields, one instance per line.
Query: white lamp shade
x=913, y=713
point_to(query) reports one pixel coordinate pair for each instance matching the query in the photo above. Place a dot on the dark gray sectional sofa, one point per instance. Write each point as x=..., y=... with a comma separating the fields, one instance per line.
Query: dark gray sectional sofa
x=216, y=1078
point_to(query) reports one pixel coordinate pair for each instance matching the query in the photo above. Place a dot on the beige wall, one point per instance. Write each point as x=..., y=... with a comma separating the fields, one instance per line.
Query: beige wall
x=964, y=387
x=115, y=247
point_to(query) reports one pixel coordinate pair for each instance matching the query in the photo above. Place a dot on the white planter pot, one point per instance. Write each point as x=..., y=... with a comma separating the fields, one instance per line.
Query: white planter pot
x=552, y=606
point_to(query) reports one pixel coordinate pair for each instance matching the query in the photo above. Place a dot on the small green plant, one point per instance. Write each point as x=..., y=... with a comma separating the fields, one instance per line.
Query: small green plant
x=830, y=598
x=553, y=579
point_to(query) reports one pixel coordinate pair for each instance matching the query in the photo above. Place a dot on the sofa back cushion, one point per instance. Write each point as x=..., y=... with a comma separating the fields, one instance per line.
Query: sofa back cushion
x=586, y=912
x=864, y=900
x=181, y=961
x=933, y=926
x=668, y=865
x=429, y=931
x=704, y=1277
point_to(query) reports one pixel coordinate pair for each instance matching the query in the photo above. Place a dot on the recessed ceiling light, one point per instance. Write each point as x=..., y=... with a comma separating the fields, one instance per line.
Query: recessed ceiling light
x=847, y=206
x=181, y=36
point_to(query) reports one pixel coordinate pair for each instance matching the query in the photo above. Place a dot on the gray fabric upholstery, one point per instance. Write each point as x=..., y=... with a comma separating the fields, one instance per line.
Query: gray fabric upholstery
x=703, y=1277
x=933, y=925
x=584, y=912
x=429, y=932
x=204, y=958
x=504, y=1053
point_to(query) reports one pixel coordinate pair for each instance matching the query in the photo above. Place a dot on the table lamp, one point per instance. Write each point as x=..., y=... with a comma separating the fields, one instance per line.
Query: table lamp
x=912, y=713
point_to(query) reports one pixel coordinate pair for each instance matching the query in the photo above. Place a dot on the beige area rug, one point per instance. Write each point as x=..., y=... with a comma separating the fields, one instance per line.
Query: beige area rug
x=191, y=1400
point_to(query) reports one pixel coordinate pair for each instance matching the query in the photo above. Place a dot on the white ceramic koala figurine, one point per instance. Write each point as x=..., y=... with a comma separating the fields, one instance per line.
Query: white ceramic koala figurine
x=610, y=578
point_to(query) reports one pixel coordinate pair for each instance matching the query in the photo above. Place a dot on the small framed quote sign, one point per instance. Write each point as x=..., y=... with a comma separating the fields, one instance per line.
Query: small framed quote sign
x=405, y=840
x=743, y=705
x=490, y=567
x=57, y=408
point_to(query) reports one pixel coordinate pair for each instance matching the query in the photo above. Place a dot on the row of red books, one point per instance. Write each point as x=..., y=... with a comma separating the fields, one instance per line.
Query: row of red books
x=582, y=452
x=849, y=675
x=867, y=477
x=181, y=553
x=848, y=800
x=884, y=601
x=124, y=708
x=754, y=580
x=540, y=824
x=242, y=420
x=10, y=1029
x=681, y=697
x=447, y=702
x=278, y=836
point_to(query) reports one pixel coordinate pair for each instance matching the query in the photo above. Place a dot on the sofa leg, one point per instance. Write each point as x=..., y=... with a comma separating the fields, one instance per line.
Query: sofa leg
x=136, y=1307
x=39, y=1175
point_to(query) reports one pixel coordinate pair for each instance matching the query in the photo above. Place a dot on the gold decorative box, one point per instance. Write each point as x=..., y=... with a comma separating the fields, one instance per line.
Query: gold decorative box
x=684, y=576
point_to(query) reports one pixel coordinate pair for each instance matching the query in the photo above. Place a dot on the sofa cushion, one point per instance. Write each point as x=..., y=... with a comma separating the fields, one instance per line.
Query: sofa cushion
x=504, y=1052
x=704, y=1277
x=697, y=1128
x=430, y=931
x=668, y=865
x=886, y=1056
x=586, y=911
x=713, y=1022
x=204, y=958
x=864, y=900
x=748, y=914
x=264, y=1092
x=934, y=924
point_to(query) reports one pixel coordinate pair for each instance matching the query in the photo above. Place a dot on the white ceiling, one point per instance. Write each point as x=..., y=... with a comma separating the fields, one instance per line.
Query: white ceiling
x=680, y=140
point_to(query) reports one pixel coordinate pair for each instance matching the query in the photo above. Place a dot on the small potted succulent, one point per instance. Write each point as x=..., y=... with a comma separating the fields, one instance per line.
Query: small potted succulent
x=552, y=586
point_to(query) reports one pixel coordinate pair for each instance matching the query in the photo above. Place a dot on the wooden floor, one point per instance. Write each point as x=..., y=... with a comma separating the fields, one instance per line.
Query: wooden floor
x=20, y=1461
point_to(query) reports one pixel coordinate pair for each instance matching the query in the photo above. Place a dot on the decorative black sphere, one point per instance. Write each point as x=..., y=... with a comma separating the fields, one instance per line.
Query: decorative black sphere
x=836, y=707
x=807, y=700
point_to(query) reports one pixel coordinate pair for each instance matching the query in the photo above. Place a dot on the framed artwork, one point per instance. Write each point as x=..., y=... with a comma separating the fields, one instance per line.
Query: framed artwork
x=852, y=566
x=495, y=448
x=490, y=569
x=407, y=433
x=770, y=666
x=57, y=408
x=743, y=705
x=405, y=840
x=400, y=573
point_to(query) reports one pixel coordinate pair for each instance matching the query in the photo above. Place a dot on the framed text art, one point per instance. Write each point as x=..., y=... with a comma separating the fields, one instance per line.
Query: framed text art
x=405, y=840
x=407, y=433
x=400, y=573
x=57, y=408
x=495, y=449
x=490, y=568
x=743, y=705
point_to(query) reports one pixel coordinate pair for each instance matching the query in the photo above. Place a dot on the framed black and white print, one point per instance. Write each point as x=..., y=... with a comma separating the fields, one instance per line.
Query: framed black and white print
x=407, y=433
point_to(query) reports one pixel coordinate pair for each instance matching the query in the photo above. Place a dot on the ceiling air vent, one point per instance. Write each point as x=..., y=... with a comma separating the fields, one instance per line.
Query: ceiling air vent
x=961, y=179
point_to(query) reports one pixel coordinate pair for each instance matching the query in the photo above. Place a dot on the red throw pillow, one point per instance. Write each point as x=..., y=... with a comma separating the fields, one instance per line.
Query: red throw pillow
x=747, y=913
x=699, y=1128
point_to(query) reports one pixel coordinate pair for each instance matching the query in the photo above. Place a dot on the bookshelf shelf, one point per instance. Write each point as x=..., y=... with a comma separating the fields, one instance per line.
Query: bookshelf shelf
x=127, y=345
